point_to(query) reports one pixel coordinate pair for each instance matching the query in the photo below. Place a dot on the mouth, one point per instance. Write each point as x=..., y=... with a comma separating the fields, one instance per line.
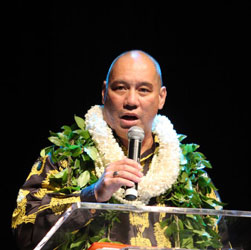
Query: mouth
x=129, y=120
x=129, y=117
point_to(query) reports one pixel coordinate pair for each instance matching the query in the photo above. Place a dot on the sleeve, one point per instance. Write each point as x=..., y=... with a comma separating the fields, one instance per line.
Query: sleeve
x=39, y=206
x=87, y=194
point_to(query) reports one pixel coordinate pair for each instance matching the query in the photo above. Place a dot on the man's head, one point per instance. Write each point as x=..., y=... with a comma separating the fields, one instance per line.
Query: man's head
x=133, y=93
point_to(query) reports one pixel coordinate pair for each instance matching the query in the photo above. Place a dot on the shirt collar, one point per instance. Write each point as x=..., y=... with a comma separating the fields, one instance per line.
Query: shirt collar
x=148, y=153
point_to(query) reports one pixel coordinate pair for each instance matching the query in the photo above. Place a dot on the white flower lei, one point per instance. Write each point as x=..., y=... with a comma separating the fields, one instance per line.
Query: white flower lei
x=164, y=169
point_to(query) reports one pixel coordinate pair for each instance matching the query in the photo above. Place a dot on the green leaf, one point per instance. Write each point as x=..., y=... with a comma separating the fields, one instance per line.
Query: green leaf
x=65, y=175
x=202, y=233
x=78, y=151
x=67, y=129
x=69, y=190
x=79, y=242
x=53, y=133
x=71, y=147
x=84, y=133
x=187, y=239
x=204, y=181
x=74, y=181
x=188, y=224
x=171, y=229
x=212, y=202
x=55, y=140
x=54, y=157
x=104, y=240
x=164, y=223
x=206, y=163
x=42, y=152
x=183, y=159
x=184, y=177
x=181, y=137
x=45, y=151
x=61, y=175
x=93, y=178
x=195, y=199
x=95, y=238
x=76, y=244
x=77, y=163
x=85, y=157
x=63, y=138
x=189, y=148
x=80, y=122
x=189, y=186
x=180, y=224
x=59, y=178
x=92, y=152
x=83, y=179
x=66, y=153
x=198, y=156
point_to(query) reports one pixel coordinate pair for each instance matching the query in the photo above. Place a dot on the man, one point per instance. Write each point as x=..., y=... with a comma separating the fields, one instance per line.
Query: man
x=132, y=95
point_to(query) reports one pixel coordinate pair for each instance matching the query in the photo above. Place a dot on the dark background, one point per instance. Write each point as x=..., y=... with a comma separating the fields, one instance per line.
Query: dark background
x=55, y=58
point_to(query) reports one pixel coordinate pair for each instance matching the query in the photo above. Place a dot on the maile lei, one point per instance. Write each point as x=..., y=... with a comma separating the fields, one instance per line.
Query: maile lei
x=176, y=176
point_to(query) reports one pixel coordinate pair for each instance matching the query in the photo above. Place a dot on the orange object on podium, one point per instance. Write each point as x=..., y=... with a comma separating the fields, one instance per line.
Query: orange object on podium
x=106, y=245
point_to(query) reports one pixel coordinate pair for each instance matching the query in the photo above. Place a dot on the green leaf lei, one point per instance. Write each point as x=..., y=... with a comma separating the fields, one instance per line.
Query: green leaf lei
x=191, y=190
x=74, y=145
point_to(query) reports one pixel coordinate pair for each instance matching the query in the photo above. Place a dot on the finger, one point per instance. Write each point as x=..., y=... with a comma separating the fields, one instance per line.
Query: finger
x=130, y=162
x=133, y=163
x=119, y=182
x=130, y=170
x=112, y=171
x=127, y=175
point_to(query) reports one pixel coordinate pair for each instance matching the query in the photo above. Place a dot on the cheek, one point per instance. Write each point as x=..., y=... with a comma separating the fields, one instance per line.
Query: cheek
x=151, y=105
x=150, y=108
x=112, y=107
x=114, y=100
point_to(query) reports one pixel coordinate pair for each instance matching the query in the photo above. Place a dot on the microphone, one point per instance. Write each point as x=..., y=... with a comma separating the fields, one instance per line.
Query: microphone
x=135, y=138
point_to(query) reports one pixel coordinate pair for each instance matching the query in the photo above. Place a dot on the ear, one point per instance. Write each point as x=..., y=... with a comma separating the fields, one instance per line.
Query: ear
x=162, y=97
x=103, y=92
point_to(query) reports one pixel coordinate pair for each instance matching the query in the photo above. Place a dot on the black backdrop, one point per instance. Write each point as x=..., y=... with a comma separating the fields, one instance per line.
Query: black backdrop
x=56, y=57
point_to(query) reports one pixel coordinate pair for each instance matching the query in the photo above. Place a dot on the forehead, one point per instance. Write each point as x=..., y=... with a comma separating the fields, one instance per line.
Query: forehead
x=134, y=67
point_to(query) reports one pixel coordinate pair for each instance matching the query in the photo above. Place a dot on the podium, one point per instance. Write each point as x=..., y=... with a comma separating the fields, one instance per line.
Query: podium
x=234, y=234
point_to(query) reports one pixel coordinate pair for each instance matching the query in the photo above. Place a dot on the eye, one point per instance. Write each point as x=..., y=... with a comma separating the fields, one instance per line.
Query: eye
x=144, y=90
x=119, y=88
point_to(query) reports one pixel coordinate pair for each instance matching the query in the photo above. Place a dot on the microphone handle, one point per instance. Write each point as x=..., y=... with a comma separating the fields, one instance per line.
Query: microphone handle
x=134, y=149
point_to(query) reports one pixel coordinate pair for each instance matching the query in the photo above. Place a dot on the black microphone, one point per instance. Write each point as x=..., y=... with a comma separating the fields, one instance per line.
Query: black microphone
x=135, y=138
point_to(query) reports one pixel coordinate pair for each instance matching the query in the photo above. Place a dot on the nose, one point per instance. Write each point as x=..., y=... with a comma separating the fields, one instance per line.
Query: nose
x=131, y=100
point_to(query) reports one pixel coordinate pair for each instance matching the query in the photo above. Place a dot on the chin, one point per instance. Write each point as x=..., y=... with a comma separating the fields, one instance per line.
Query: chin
x=121, y=132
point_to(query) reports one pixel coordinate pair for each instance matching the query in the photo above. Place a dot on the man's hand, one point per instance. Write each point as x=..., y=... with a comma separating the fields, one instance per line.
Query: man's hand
x=127, y=172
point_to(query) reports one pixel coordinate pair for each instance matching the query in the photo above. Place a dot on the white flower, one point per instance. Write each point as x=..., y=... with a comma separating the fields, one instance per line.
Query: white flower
x=164, y=169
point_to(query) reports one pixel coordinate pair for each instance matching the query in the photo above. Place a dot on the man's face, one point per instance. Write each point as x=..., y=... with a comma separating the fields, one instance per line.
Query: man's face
x=133, y=96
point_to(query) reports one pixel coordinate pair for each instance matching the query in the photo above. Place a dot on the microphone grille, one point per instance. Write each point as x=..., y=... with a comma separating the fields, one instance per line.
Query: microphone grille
x=136, y=133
